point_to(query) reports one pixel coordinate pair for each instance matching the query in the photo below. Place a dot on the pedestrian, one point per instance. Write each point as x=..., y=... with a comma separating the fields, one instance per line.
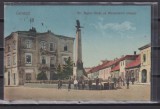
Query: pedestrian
x=115, y=82
x=90, y=84
x=69, y=85
x=83, y=84
x=109, y=83
x=58, y=84
x=133, y=79
x=127, y=82
x=78, y=84
x=97, y=83
x=118, y=80
x=101, y=86
x=75, y=83
x=123, y=82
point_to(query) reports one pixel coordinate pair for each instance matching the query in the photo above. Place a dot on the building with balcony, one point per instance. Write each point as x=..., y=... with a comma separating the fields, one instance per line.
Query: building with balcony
x=27, y=53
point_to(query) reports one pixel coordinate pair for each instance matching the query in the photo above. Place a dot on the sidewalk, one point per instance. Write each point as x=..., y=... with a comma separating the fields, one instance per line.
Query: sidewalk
x=143, y=83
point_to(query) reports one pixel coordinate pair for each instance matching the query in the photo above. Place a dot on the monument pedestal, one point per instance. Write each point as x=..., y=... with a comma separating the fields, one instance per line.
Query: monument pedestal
x=78, y=73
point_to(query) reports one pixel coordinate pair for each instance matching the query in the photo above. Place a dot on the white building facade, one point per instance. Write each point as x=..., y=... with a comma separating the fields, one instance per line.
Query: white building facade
x=27, y=53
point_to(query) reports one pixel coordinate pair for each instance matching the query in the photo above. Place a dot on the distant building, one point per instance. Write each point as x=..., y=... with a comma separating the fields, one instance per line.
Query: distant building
x=145, y=70
x=114, y=68
x=87, y=69
x=28, y=53
x=133, y=69
x=115, y=71
x=132, y=66
x=123, y=63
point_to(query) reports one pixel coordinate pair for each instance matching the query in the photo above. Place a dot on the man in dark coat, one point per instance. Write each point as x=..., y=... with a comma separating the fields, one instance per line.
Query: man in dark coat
x=83, y=84
x=133, y=79
x=127, y=82
x=58, y=84
x=97, y=82
x=90, y=84
x=69, y=85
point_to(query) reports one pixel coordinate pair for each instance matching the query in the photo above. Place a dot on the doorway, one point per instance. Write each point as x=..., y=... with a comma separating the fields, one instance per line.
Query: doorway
x=144, y=76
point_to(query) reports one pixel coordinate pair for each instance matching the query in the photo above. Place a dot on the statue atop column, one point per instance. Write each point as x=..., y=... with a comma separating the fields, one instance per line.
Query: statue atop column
x=78, y=25
x=78, y=70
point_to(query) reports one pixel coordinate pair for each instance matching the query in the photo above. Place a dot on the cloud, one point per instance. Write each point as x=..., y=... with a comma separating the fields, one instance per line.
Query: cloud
x=120, y=27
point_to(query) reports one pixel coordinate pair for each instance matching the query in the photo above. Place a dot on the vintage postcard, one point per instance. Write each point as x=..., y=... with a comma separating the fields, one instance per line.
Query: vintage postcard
x=77, y=52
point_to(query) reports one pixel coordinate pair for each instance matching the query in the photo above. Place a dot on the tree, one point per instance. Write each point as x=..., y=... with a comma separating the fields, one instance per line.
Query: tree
x=59, y=72
x=42, y=76
x=67, y=69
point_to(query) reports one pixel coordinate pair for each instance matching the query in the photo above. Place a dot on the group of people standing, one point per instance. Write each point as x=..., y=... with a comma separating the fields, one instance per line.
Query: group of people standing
x=118, y=82
x=81, y=84
x=88, y=84
x=78, y=84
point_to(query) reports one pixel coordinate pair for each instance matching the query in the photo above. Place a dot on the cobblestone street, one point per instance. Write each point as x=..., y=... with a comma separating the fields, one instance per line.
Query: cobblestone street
x=135, y=92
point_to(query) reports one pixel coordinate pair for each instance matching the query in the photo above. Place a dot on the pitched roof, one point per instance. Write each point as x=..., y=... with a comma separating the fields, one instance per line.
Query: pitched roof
x=33, y=32
x=97, y=68
x=110, y=63
x=145, y=46
x=118, y=60
x=116, y=68
x=134, y=63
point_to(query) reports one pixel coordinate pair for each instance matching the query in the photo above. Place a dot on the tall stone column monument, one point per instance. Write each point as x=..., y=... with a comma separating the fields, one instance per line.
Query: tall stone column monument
x=78, y=70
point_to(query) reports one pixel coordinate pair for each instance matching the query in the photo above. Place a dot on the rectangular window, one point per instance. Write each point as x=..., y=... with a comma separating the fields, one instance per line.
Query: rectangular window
x=65, y=48
x=14, y=44
x=52, y=46
x=28, y=58
x=14, y=78
x=9, y=60
x=28, y=43
x=28, y=76
x=14, y=60
x=144, y=57
x=43, y=61
x=52, y=61
x=9, y=48
x=43, y=45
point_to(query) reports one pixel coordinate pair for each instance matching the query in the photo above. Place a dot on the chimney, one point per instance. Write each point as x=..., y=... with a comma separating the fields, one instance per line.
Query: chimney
x=134, y=52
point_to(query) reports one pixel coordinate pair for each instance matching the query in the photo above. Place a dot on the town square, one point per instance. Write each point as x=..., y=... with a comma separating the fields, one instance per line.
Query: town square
x=102, y=55
x=123, y=94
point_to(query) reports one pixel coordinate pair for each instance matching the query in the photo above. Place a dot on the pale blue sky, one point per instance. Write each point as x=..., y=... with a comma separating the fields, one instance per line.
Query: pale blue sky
x=104, y=36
